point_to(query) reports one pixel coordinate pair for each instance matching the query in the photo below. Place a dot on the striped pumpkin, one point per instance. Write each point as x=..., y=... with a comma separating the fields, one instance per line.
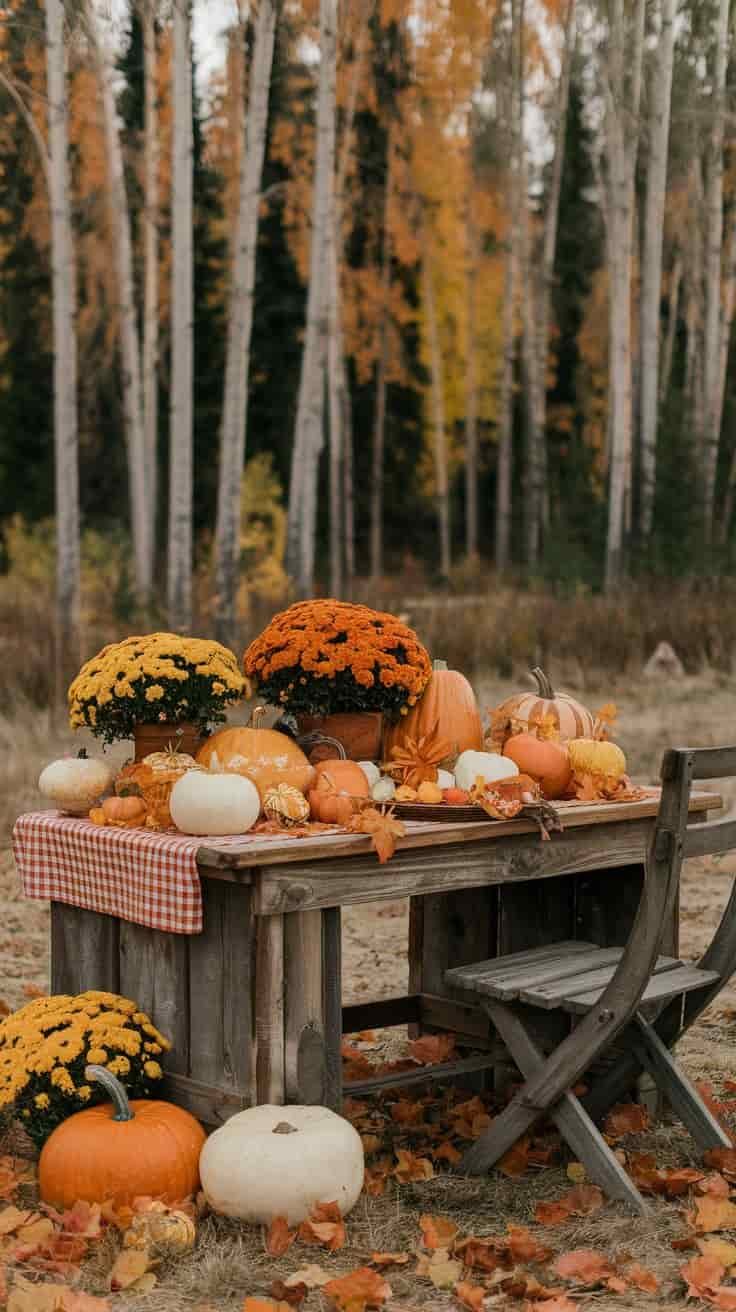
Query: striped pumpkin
x=570, y=717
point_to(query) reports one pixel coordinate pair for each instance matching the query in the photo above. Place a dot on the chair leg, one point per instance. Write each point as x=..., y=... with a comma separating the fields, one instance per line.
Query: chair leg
x=574, y=1124
x=677, y=1088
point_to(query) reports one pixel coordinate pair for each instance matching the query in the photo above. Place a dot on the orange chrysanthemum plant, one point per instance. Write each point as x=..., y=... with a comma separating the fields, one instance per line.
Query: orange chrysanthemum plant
x=322, y=657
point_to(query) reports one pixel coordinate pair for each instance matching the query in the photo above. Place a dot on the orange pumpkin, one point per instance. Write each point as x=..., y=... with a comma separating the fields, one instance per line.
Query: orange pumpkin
x=123, y=812
x=542, y=759
x=447, y=707
x=121, y=1151
x=335, y=784
x=567, y=716
x=263, y=755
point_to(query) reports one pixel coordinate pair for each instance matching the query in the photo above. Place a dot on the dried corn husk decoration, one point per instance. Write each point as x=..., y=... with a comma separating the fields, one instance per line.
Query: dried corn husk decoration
x=286, y=805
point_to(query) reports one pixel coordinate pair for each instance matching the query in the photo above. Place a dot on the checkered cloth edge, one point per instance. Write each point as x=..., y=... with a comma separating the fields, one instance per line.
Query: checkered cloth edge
x=149, y=878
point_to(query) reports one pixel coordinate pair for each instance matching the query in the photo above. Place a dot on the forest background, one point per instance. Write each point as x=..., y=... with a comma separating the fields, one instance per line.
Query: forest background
x=408, y=298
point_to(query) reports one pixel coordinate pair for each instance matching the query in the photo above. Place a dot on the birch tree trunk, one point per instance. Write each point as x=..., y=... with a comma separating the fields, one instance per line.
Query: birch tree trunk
x=379, y=418
x=150, y=246
x=129, y=337
x=729, y=303
x=622, y=113
x=549, y=252
x=506, y=399
x=710, y=436
x=240, y=324
x=308, y=432
x=673, y=312
x=471, y=387
x=182, y=332
x=65, y=355
x=651, y=285
x=438, y=408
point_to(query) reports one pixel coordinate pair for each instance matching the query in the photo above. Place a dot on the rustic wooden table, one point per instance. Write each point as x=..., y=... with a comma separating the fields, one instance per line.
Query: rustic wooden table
x=253, y=1004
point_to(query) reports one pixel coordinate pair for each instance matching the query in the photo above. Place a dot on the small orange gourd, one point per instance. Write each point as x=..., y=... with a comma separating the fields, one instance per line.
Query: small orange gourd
x=124, y=812
x=335, y=784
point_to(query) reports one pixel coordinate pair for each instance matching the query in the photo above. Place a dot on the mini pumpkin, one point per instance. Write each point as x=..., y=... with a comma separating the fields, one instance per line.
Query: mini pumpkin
x=127, y=812
x=286, y=805
x=543, y=759
x=429, y=793
x=74, y=783
x=172, y=1232
x=336, y=783
x=488, y=766
x=121, y=1151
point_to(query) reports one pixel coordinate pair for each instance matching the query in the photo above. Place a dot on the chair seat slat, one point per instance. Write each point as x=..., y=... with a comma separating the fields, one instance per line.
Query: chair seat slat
x=557, y=992
x=503, y=972
x=667, y=985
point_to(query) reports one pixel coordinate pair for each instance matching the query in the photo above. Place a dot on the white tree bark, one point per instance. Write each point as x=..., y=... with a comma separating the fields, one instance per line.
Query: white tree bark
x=651, y=285
x=710, y=437
x=65, y=352
x=240, y=324
x=442, y=492
x=129, y=337
x=309, y=427
x=182, y=332
x=622, y=125
x=150, y=252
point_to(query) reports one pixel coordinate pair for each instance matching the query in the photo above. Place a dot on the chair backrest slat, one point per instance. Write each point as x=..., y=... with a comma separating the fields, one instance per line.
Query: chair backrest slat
x=710, y=838
x=713, y=762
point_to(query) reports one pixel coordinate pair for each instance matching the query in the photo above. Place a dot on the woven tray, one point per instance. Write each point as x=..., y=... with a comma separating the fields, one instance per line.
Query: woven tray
x=439, y=811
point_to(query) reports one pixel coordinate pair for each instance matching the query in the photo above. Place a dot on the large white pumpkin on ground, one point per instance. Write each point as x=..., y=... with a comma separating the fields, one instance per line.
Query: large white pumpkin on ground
x=214, y=804
x=280, y=1161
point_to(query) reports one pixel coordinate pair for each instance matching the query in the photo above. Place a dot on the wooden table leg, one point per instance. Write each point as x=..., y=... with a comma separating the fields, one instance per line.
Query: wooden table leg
x=269, y=1010
x=312, y=1009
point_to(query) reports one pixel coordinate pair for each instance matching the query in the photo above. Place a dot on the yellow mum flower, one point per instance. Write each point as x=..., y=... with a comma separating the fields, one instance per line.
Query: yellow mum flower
x=61, y=1079
x=152, y=1070
x=42, y=1100
x=119, y=1066
x=97, y=1056
x=84, y=1092
x=154, y=693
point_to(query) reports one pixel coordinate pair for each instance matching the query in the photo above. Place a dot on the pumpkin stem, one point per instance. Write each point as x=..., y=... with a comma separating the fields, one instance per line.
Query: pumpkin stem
x=439, y=665
x=544, y=687
x=112, y=1087
x=283, y=1127
x=256, y=714
x=82, y=754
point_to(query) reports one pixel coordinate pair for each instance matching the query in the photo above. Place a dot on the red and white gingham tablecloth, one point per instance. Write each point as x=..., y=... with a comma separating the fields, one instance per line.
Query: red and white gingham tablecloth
x=149, y=878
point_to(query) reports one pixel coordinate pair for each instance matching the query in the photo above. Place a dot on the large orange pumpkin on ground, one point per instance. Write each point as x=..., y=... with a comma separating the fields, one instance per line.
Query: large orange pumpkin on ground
x=448, y=706
x=543, y=760
x=567, y=715
x=121, y=1151
x=265, y=756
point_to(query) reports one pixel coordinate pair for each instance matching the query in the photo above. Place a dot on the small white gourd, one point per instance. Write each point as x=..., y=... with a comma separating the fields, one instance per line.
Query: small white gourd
x=75, y=783
x=445, y=779
x=214, y=804
x=383, y=789
x=371, y=772
x=488, y=765
x=280, y=1161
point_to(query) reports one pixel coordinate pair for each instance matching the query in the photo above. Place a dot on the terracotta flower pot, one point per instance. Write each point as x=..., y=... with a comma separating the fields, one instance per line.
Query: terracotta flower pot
x=183, y=737
x=360, y=732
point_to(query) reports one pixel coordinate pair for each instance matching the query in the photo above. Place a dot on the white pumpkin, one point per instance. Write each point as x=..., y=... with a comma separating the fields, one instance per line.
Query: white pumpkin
x=75, y=783
x=280, y=1161
x=371, y=772
x=383, y=789
x=488, y=765
x=214, y=804
x=445, y=779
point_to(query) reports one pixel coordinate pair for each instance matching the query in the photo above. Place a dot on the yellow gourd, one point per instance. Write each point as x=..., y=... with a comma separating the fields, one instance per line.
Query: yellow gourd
x=429, y=792
x=588, y=756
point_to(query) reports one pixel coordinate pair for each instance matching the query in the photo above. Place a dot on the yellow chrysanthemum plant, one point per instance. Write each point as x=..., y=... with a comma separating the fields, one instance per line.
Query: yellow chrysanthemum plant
x=157, y=678
x=46, y=1045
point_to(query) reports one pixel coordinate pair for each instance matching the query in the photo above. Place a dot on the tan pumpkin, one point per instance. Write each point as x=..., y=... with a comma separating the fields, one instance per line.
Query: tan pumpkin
x=566, y=715
x=265, y=756
x=447, y=707
x=542, y=759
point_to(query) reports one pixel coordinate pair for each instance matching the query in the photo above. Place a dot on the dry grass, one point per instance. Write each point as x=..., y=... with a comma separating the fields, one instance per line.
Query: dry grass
x=229, y=1261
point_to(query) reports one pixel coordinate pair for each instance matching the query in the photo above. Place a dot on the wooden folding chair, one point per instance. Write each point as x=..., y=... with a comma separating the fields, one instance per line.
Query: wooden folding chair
x=630, y=994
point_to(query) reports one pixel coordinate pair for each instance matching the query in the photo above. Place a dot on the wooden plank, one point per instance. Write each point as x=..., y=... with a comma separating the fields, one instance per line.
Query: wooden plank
x=713, y=762
x=529, y=985
x=221, y=1028
x=439, y=869
x=467, y=1020
x=382, y=1013
x=212, y=1106
x=501, y=972
x=677, y=1088
x=154, y=970
x=710, y=838
x=332, y=1005
x=269, y=1010
x=416, y=954
x=303, y=1001
x=558, y=993
x=450, y=1070
x=255, y=854
x=84, y=950
x=670, y=983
